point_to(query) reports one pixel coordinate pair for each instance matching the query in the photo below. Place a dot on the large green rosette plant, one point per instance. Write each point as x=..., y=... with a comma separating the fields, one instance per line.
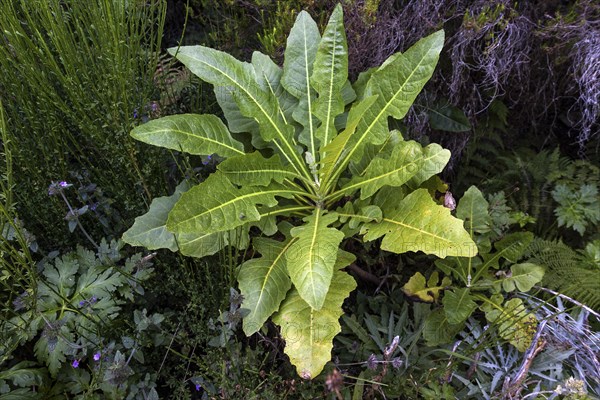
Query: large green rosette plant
x=322, y=166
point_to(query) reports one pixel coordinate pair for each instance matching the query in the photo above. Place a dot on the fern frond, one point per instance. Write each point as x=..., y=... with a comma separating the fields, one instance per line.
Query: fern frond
x=567, y=271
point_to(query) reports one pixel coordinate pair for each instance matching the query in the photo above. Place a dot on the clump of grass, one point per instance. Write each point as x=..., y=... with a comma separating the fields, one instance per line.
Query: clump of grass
x=74, y=74
x=18, y=278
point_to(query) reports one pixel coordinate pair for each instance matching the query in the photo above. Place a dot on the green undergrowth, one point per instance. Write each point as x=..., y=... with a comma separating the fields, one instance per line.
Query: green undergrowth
x=76, y=77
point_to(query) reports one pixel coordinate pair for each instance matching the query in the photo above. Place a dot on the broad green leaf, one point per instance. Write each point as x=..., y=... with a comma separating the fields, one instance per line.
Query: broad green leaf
x=299, y=56
x=150, y=230
x=191, y=133
x=202, y=244
x=311, y=258
x=419, y=224
x=388, y=197
x=523, y=277
x=404, y=162
x=268, y=76
x=446, y=117
x=236, y=121
x=437, y=330
x=332, y=153
x=427, y=291
x=397, y=84
x=458, y=305
x=216, y=205
x=206, y=244
x=511, y=247
x=371, y=151
x=223, y=70
x=365, y=214
x=435, y=159
x=360, y=84
x=348, y=93
x=330, y=73
x=473, y=209
x=253, y=169
x=309, y=333
x=23, y=373
x=263, y=282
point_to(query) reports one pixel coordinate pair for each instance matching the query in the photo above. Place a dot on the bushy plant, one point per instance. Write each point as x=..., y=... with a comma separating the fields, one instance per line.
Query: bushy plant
x=73, y=320
x=324, y=167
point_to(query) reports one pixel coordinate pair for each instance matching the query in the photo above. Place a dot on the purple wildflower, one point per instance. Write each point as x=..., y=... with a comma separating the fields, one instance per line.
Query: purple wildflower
x=75, y=363
x=57, y=187
x=135, y=113
x=82, y=303
x=208, y=158
x=372, y=362
x=198, y=387
x=397, y=362
x=97, y=356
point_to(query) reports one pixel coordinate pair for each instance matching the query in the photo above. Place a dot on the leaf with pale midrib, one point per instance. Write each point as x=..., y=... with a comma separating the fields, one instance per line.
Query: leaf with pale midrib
x=311, y=258
x=190, y=133
x=419, y=224
x=216, y=205
x=299, y=56
x=309, y=333
x=150, y=230
x=263, y=282
x=330, y=71
x=253, y=169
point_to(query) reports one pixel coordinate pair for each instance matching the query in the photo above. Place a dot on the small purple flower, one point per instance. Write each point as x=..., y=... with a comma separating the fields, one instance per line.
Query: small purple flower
x=82, y=303
x=75, y=363
x=135, y=113
x=198, y=387
x=57, y=187
x=154, y=106
x=208, y=158
x=97, y=356
x=372, y=362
